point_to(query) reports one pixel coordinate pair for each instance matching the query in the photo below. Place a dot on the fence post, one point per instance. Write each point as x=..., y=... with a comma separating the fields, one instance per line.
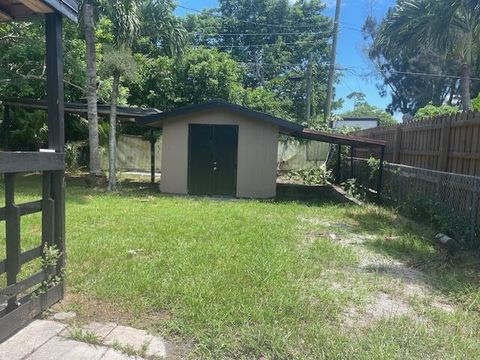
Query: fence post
x=444, y=145
x=339, y=164
x=475, y=206
x=152, y=157
x=397, y=147
x=380, y=172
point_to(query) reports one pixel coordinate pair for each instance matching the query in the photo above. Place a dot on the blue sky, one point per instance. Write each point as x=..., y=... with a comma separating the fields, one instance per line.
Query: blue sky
x=350, y=47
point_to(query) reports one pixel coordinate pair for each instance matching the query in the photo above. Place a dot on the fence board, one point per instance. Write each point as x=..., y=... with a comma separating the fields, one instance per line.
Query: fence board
x=445, y=143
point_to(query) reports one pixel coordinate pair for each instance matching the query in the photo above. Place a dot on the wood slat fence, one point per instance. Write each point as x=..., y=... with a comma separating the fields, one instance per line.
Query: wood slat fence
x=445, y=143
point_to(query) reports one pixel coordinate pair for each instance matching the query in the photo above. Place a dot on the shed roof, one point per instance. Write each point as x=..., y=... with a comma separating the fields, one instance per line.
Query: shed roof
x=21, y=9
x=157, y=120
x=123, y=112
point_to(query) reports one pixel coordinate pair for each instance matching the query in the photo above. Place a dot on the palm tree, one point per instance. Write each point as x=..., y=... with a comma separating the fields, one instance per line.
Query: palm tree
x=91, y=90
x=119, y=62
x=449, y=26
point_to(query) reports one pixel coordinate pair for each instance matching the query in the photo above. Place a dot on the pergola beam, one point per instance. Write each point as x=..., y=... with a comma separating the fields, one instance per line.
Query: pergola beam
x=36, y=6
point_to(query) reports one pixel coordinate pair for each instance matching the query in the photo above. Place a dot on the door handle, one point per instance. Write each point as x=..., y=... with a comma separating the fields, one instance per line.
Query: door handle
x=214, y=168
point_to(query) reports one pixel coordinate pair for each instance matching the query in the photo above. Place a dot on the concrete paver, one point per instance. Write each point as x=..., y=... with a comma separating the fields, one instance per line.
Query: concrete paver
x=59, y=348
x=48, y=340
x=29, y=339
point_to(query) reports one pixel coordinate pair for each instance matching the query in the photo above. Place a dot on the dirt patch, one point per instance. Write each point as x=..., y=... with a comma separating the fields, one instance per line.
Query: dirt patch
x=383, y=306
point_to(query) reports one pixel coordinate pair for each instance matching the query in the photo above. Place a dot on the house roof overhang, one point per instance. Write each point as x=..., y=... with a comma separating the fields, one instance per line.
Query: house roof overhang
x=125, y=113
x=157, y=120
x=11, y=10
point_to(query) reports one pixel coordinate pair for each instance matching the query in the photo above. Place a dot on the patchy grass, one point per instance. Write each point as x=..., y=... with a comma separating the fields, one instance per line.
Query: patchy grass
x=308, y=278
x=79, y=334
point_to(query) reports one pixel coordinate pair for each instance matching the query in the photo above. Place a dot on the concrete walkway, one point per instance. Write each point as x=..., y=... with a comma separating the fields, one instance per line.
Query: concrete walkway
x=52, y=340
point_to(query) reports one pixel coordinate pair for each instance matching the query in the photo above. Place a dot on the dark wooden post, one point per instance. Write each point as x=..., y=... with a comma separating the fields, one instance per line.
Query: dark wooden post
x=380, y=172
x=444, y=145
x=397, y=146
x=352, y=174
x=12, y=230
x=339, y=164
x=152, y=157
x=6, y=127
x=56, y=123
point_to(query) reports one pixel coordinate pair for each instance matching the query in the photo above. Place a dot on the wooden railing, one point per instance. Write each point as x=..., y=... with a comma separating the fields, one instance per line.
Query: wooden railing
x=30, y=296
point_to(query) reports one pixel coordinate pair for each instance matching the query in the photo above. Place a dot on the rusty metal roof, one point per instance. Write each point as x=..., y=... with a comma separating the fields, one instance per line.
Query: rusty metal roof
x=336, y=138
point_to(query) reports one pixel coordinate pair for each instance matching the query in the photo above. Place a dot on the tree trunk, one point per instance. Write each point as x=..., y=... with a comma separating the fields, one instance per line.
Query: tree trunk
x=89, y=25
x=465, y=81
x=465, y=77
x=112, y=176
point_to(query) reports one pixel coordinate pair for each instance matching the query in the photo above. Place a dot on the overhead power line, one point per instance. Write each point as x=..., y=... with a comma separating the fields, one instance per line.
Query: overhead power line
x=410, y=73
x=347, y=26
x=264, y=34
x=253, y=45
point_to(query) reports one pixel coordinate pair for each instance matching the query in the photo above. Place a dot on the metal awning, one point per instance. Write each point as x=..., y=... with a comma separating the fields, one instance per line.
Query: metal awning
x=125, y=113
x=339, y=139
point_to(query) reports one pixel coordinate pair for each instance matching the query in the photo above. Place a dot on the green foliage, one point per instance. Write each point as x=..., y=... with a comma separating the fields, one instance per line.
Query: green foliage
x=279, y=68
x=442, y=218
x=476, y=103
x=373, y=168
x=51, y=255
x=119, y=60
x=363, y=109
x=431, y=111
x=444, y=31
x=78, y=334
x=72, y=155
x=354, y=189
x=314, y=176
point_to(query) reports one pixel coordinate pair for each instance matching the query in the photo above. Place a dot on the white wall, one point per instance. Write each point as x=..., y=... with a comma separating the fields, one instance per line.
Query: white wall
x=361, y=124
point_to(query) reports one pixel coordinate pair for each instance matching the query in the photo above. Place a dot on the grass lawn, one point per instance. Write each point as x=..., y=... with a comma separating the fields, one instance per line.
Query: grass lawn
x=273, y=279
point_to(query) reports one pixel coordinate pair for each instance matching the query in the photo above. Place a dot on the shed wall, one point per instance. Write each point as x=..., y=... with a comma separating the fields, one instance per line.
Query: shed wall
x=257, y=153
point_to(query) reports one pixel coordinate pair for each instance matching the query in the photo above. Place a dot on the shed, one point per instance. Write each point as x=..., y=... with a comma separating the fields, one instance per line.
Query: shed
x=218, y=148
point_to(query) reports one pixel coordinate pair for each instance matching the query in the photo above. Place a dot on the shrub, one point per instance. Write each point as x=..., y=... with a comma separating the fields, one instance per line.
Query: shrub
x=314, y=176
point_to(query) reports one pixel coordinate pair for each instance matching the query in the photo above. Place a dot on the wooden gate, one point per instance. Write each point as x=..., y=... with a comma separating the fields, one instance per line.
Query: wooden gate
x=24, y=298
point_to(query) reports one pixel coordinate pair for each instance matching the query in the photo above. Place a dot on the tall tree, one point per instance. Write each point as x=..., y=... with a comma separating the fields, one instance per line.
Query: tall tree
x=272, y=40
x=118, y=61
x=91, y=90
x=450, y=27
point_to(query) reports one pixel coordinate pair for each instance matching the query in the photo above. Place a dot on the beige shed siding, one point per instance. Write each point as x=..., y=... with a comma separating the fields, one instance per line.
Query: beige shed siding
x=257, y=153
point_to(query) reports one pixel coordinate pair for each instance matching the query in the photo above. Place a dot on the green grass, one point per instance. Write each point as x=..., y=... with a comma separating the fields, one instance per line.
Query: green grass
x=245, y=279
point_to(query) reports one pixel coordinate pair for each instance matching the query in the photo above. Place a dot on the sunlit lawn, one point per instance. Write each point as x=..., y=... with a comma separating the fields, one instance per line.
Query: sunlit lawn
x=245, y=279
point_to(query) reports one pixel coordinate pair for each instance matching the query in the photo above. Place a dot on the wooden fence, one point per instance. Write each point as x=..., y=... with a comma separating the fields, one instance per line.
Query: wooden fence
x=446, y=143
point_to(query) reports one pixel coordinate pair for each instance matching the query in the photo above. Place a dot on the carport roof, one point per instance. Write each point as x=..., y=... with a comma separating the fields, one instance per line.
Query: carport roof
x=157, y=120
x=336, y=138
x=126, y=113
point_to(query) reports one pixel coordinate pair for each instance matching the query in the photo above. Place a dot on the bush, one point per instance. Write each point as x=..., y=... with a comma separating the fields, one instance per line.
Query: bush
x=314, y=176
x=442, y=218
x=72, y=155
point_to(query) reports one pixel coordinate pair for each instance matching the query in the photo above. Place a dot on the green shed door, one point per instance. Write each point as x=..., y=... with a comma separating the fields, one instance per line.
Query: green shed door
x=212, y=162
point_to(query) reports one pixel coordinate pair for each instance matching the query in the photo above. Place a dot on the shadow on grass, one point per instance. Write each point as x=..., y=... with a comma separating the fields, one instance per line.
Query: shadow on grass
x=310, y=195
x=413, y=244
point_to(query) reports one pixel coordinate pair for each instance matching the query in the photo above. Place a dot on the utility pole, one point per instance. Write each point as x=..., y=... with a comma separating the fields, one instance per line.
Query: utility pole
x=331, y=75
x=308, y=110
